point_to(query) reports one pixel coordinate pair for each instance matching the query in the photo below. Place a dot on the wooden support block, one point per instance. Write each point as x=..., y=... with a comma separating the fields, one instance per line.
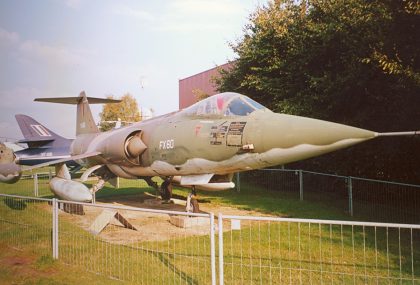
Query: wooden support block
x=105, y=218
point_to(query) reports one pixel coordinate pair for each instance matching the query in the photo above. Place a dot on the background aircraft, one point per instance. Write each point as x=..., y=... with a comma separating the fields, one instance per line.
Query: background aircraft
x=43, y=144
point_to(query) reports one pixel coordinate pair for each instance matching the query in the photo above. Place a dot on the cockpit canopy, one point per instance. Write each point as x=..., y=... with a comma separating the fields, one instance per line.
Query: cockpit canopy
x=224, y=104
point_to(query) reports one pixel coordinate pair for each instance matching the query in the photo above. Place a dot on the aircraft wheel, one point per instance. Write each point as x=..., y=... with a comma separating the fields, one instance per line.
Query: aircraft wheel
x=166, y=192
x=194, y=206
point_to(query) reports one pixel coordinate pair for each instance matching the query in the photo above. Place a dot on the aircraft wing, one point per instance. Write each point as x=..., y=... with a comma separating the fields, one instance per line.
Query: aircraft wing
x=74, y=157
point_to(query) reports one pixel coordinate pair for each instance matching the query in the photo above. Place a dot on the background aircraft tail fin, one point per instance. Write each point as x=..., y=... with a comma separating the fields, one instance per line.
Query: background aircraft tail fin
x=35, y=133
x=85, y=122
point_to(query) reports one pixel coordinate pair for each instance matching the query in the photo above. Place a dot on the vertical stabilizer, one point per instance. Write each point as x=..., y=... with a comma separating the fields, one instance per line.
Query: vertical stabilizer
x=35, y=133
x=85, y=122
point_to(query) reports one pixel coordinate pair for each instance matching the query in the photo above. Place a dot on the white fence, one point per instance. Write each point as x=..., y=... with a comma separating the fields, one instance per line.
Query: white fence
x=358, y=197
x=249, y=250
x=267, y=250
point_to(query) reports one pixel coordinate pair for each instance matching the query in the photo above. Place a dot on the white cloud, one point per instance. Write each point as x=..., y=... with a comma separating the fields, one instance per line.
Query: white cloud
x=73, y=3
x=19, y=100
x=190, y=15
x=32, y=50
x=8, y=38
x=133, y=12
x=59, y=55
x=206, y=7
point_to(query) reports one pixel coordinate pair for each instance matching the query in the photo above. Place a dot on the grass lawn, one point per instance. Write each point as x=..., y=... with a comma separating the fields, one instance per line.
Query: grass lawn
x=266, y=252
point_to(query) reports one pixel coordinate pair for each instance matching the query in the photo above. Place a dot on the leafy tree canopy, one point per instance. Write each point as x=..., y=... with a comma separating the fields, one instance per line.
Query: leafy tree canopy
x=349, y=61
x=127, y=111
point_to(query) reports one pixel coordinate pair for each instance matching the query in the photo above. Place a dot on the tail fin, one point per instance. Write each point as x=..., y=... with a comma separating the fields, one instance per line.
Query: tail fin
x=85, y=122
x=35, y=133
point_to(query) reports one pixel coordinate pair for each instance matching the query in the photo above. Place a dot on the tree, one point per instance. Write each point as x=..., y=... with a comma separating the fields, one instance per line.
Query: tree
x=349, y=61
x=199, y=94
x=127, y=111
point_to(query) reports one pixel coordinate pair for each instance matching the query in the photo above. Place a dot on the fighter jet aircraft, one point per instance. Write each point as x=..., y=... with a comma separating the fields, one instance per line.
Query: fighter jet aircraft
x=43, y=144
x=201, y=146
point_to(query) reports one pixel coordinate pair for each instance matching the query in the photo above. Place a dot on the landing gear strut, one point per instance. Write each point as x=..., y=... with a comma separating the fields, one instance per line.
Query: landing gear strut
x=166, y=189
x=192, y=203
x=95, y=188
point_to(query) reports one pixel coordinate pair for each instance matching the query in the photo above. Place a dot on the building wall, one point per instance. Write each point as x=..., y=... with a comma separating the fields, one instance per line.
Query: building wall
x=201, y=81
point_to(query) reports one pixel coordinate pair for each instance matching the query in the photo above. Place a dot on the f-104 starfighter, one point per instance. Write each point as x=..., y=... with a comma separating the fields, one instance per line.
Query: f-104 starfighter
x=201, y=146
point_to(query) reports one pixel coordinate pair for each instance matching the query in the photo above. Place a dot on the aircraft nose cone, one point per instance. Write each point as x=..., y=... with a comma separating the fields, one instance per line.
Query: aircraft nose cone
x=293, y=138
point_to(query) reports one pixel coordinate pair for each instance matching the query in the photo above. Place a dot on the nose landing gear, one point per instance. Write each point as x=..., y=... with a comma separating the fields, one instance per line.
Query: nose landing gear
x=192, y=203
x=166, y=190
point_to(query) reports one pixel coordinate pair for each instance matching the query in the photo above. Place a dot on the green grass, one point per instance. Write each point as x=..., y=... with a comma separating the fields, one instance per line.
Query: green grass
x=259, y=252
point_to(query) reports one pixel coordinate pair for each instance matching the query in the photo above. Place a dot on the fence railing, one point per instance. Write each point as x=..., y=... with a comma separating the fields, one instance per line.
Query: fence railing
x=267, y=250
x=368, y=199
x=263, y=250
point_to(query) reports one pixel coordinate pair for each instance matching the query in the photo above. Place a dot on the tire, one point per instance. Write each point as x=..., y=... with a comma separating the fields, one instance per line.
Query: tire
x=194, y=205
x=166, y=191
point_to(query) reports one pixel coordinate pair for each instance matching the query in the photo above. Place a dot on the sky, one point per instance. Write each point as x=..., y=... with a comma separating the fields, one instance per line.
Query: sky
x=57, y=48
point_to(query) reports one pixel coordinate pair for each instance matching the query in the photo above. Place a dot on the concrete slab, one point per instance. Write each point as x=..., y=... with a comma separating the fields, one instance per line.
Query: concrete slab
x=189, y=222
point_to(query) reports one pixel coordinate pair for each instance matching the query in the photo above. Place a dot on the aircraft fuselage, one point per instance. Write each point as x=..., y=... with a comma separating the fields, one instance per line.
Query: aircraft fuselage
x=190, y=143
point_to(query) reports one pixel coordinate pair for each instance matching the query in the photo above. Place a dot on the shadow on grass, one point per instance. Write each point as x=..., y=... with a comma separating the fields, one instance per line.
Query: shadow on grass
x=15, y=204
x=184, y=276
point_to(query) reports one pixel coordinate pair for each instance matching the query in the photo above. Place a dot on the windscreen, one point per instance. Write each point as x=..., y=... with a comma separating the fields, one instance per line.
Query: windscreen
x=224, y=104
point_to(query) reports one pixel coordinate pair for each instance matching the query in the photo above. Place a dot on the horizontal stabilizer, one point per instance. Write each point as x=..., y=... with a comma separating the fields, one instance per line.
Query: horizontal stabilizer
x=76, y=100
x=74, y=157
x=37, y=141
x=85, y=123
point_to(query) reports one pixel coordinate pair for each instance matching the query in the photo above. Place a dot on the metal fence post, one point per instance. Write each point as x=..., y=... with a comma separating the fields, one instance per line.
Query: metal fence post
x=220, y=230
x=350, y=190
x=36, y=193
x=238, y=182
x=212, y=251
x=55, y=228
x=301, y=185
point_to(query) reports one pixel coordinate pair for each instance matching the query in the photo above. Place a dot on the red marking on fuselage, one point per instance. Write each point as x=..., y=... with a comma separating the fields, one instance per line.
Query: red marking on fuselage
x=197, y=129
